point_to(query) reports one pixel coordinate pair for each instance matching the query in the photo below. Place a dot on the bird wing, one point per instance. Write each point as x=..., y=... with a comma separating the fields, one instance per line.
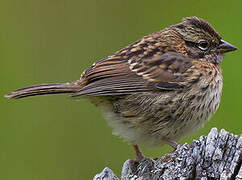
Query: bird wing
x=116, y=76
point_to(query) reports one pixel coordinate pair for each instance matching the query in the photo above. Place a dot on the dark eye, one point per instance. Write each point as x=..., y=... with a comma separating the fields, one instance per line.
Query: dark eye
x=203, y=45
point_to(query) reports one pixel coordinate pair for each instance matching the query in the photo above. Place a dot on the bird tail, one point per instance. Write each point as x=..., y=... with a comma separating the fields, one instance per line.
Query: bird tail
x=43, y=89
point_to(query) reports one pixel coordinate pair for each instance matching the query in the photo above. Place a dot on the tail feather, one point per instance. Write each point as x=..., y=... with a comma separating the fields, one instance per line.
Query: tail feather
x=43, y=89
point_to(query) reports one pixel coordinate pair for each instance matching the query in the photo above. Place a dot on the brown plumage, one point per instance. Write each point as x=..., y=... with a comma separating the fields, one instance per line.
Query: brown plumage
x=157, y=89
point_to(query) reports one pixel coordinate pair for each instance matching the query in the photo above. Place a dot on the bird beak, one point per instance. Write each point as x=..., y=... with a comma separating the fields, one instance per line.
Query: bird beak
x=225, y=47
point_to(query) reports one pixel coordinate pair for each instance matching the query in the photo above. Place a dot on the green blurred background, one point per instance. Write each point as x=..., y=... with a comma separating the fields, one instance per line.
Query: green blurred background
x=56, y=138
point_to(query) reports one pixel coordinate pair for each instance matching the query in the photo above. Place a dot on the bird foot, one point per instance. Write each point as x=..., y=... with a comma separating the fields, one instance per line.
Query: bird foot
x=169, y=155
x=166, y=156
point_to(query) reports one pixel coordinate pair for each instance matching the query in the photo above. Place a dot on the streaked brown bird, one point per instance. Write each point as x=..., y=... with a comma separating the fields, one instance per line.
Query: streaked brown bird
x=156, y=90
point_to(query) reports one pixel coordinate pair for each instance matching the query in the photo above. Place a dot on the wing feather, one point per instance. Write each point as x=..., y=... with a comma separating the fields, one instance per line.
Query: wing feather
x=115, y=76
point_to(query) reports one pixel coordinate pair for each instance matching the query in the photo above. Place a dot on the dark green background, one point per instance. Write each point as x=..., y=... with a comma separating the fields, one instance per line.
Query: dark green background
x=56, y=138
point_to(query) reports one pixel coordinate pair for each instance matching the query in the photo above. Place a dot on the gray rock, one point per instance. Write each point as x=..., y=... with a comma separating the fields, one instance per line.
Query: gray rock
x=216, y=156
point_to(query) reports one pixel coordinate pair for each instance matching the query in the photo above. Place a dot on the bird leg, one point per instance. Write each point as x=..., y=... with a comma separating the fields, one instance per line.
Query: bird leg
x=169, y=141
x=173, y=144
x=139, y=154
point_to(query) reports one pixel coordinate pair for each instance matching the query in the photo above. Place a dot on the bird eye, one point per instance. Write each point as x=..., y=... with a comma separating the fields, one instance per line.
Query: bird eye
x=203, y=45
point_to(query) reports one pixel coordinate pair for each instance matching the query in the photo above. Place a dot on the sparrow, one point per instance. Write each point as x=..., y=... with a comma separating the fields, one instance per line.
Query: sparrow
x=156, y=90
